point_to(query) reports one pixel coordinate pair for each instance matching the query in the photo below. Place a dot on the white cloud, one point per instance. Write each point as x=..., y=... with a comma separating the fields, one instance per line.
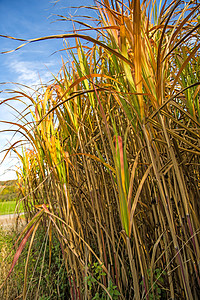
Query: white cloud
x=8, y=167
x=30, y=73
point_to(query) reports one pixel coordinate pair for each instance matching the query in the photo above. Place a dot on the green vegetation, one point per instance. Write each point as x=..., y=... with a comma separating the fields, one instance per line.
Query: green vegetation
x=92, y=280
x=47, y=280
x=10, y=208
x=8, y=190
x=113, y=162
x=155, y=293
x=9, y=195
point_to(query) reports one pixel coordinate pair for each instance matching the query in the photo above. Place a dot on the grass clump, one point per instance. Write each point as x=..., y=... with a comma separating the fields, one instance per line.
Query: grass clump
x=113, y=156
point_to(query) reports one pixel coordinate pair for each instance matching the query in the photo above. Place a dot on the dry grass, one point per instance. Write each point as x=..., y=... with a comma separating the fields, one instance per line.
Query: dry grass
x=114, y=154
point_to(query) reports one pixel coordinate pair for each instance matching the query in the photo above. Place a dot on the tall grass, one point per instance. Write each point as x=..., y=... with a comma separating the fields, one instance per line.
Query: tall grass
x=113, y=160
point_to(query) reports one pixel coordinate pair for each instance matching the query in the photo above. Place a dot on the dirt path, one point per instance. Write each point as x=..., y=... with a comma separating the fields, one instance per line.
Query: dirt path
x=10, y=220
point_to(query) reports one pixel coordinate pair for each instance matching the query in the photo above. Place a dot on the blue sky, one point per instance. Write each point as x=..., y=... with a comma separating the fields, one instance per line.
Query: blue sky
x=29, y=19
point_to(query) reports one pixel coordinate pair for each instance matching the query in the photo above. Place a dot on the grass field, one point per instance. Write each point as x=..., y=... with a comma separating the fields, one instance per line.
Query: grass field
x=8, y=207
